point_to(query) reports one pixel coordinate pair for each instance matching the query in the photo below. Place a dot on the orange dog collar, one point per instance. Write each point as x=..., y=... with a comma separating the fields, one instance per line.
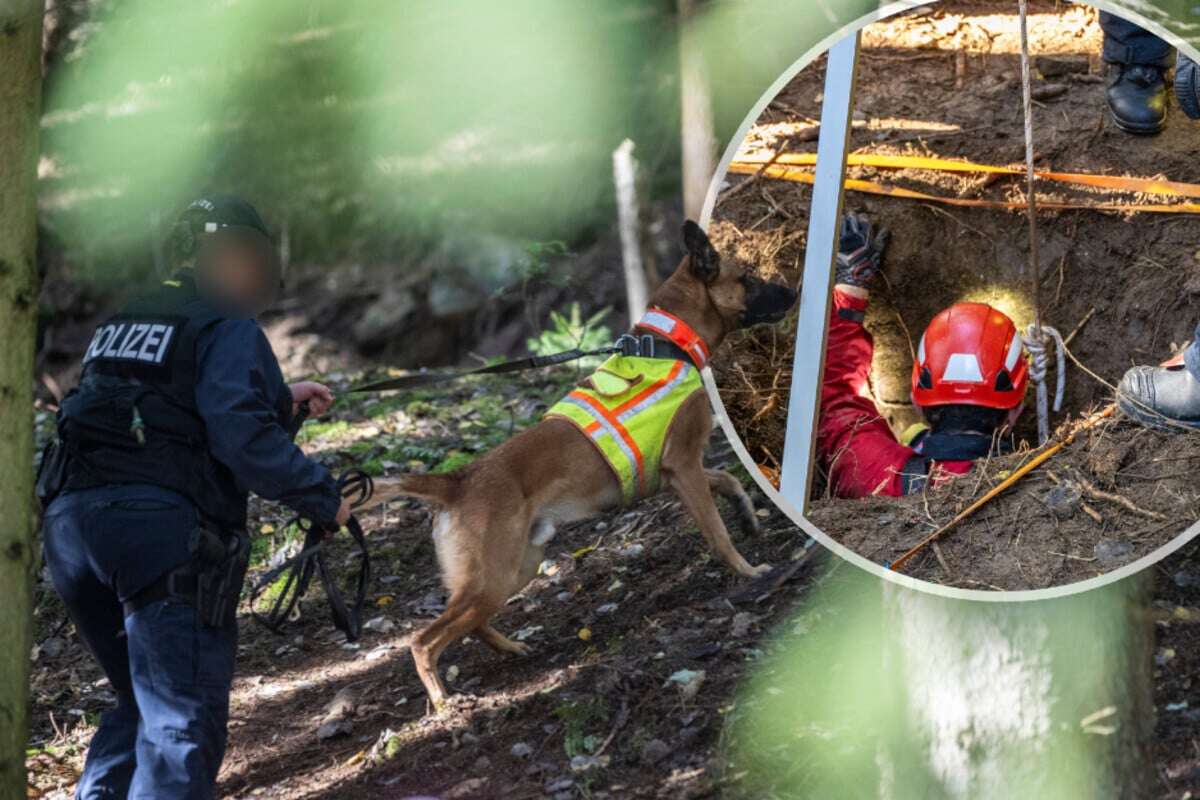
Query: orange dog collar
x=675, y=330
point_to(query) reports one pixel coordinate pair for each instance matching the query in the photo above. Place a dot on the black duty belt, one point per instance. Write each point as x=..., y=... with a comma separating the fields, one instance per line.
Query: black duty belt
x=175, y=585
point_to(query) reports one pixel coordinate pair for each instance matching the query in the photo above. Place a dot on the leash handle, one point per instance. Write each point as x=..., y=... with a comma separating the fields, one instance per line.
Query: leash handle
x=298, y=419
x=298, y=571
x=356, y=485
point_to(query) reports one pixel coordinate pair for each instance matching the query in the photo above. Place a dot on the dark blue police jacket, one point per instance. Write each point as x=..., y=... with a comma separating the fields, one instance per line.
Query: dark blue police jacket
x=177, y=394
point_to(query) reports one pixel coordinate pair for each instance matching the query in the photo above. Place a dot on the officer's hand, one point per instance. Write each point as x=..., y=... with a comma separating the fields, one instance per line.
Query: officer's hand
x=343, y=514
x=317, y=395
x=860, y=251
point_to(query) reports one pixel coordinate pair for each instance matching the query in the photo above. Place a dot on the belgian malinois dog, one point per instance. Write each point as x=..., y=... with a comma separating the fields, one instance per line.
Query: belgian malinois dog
x=495, y=516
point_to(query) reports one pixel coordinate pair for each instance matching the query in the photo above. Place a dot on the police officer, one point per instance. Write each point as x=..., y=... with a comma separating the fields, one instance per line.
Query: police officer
x=181, y=410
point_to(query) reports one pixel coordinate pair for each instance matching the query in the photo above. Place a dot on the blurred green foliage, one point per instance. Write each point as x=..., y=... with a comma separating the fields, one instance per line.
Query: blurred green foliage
x=370, y=128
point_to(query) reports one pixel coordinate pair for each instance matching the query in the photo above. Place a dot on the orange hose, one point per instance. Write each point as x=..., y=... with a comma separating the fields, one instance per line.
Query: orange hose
x=796, y=174
x=1115, y=182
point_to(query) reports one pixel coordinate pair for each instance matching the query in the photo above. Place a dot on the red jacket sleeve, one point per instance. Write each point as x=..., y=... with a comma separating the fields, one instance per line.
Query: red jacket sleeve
x=855, y=446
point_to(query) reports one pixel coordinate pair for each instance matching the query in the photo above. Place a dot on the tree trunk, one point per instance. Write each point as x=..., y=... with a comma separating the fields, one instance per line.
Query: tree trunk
x=20, y=107
x=1049, y=699
x=637, y=292
x=696, y=116
x=885, y=693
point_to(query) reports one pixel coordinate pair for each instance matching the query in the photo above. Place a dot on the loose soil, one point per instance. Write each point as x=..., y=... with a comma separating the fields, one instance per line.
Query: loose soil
x=1176, y=614
x=1139, y=485
x=944, y=81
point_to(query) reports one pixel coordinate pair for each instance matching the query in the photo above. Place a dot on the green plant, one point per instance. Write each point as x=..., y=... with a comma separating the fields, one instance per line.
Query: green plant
x=455, y=459
x=263, y=545
x=536, y=264
x=571, y=330
x=416, y=451
x=576, y=719
x=392, y=748
x=314, y=431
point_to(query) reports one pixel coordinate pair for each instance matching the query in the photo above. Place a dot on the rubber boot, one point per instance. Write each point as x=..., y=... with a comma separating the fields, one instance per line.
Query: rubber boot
x=1137, y=98
x=1163, y=398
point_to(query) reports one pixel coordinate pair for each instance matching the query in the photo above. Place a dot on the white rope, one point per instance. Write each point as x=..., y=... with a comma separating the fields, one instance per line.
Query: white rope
x=1027, y=108
x=1035, y=342
x=1036, y=334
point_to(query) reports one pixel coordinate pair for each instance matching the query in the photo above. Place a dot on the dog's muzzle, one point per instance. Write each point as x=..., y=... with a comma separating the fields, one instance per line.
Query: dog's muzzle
x=766, y=303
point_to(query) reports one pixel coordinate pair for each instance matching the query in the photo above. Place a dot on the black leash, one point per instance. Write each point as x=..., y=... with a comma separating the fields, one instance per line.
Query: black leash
x=518, y=365
x=629, y=345
x=355, y=484
x=299, y=569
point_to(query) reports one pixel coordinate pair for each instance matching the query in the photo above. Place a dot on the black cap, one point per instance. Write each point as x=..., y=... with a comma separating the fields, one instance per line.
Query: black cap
x=219, y=210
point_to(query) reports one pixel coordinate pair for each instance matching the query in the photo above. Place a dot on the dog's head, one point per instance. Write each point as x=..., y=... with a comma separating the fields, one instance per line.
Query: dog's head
x=716, y=297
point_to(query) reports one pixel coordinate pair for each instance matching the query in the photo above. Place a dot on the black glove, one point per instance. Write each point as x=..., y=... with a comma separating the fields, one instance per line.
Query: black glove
x=860, y=254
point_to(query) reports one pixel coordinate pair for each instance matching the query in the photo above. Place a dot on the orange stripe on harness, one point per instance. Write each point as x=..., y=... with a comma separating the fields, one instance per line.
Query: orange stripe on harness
x=651, y=389
x=603, y=412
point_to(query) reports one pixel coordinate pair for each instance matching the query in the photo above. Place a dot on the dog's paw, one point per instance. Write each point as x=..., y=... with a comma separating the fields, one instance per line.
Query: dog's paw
x=459, y=701
x=520, y=649
x=761, y=569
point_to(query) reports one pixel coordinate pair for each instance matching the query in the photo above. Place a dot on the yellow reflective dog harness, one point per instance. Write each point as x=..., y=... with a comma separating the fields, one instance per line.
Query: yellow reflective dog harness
x=626, y=408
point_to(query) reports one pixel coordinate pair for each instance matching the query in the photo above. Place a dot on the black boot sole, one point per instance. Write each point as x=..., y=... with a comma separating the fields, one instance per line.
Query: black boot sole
x=1149, y=419
x=1137, y=130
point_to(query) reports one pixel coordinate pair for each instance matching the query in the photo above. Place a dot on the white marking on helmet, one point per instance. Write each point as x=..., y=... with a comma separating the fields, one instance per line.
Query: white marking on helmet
x=962, y=368
x=921, y=351
x=1014, y=353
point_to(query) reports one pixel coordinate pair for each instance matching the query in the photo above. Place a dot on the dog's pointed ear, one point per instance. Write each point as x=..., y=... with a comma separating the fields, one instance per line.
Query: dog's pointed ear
x=703, y=259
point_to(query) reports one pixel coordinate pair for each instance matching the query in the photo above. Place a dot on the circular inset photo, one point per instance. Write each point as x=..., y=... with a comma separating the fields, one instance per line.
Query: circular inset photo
x=990, y=383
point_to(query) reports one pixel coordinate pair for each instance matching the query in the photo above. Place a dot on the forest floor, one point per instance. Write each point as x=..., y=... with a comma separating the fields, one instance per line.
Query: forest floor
x=643, y=644
x=944, y=81
x=640, y=641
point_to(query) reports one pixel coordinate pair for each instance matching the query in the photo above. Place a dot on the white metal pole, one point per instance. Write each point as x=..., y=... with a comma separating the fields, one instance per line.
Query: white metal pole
x=824, y=222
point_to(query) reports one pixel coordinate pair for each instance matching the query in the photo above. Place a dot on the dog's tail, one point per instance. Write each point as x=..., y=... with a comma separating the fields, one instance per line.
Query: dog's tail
x=438, y=489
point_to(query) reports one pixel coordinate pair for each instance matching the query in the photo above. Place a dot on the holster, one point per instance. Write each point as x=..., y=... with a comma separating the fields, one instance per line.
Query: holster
x=52, y=472
x=211, y=582
x=221, y=561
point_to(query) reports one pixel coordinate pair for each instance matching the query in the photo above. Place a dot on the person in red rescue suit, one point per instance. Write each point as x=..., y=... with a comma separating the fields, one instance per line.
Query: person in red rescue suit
x=968, y=383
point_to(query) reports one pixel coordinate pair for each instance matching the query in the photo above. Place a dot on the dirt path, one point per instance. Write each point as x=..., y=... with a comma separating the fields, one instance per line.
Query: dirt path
x=945, y=82
x=626, y=602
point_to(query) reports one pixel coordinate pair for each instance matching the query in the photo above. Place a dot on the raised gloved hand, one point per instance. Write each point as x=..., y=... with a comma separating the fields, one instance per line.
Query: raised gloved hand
x=860, y=251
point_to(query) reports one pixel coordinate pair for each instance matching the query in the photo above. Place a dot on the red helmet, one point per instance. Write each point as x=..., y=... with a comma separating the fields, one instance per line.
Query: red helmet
x=970, y=354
